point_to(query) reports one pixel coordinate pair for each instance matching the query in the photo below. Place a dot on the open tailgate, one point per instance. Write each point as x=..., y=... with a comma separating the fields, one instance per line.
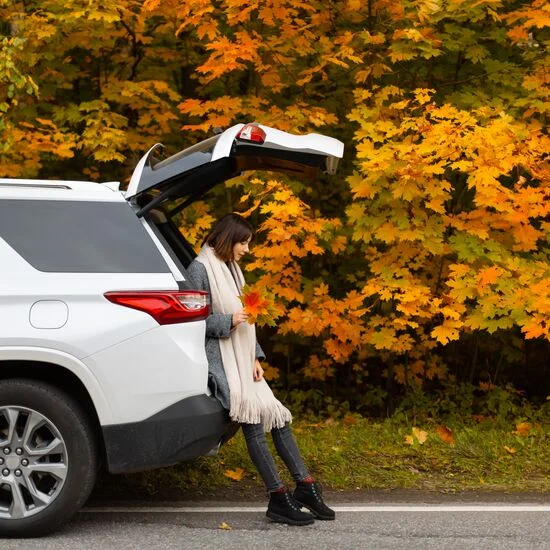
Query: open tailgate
x=195, y=170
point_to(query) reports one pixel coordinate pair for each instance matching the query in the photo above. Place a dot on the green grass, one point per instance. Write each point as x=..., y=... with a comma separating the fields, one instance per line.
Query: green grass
x=362, y=454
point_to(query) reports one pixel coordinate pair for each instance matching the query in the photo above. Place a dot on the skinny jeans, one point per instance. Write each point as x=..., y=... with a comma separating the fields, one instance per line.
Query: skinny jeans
x=286, y=447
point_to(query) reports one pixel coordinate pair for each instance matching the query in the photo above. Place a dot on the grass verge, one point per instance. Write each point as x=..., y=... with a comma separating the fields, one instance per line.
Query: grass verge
x=357, y=453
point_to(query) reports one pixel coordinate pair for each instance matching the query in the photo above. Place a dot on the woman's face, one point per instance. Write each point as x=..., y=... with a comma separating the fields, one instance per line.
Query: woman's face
x=240, y=249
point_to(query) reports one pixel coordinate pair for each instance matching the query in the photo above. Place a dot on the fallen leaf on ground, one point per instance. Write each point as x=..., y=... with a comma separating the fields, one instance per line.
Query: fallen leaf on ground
x=421, y=435
x=510, y=450
x=349, y=420
x=225, y=526
x=418, y=435
x=523, y=429
x=235, y=475
x=446, y=434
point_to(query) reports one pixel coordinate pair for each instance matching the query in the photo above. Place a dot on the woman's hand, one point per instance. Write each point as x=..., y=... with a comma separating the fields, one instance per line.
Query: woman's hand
x=238, y=318
x=258, y=372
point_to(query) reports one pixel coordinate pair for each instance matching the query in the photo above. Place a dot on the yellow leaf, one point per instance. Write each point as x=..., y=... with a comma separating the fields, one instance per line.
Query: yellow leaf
x=235, y=475
x=447, y=331
x=417, y=435
x=369, y=38
x=510, y=450
x=387, y=232
x=338, y=244
x=310, y=245
x=321, y=290
x=420, y=435
x=459, y=270
x=225, y=526
x=422, y=95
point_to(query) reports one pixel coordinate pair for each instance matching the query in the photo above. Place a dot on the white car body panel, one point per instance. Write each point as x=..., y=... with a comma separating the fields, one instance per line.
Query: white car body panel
x=141, y=376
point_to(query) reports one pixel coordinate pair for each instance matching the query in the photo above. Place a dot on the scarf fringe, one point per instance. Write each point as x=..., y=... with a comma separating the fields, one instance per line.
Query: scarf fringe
x=253, y=411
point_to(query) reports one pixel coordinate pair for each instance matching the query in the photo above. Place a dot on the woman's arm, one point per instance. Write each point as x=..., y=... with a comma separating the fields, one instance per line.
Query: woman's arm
x=259, y=352
x=218, y=325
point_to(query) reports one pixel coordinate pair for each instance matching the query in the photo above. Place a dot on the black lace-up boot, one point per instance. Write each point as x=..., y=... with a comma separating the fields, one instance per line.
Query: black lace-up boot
x=308, y=494
x=282, y=508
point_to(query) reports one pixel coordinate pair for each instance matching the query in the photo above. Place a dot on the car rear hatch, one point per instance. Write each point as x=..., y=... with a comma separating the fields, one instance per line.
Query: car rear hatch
x=192, y=172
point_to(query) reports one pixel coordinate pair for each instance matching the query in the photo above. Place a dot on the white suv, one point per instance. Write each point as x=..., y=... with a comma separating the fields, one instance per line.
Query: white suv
x=102, y=356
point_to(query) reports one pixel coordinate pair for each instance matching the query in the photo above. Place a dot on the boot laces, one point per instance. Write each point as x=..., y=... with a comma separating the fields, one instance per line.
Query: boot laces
x=291, y=502
x=316, y=492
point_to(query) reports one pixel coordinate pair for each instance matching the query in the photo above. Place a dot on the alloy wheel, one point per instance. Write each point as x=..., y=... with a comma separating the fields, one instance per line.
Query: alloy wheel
x=33, y=462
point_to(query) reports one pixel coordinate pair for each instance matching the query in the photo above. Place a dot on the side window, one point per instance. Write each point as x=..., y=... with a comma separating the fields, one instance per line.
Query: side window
x=79, y=237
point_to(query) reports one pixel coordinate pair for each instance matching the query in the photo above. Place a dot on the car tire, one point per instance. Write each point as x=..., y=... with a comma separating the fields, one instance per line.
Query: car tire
x=48, y=458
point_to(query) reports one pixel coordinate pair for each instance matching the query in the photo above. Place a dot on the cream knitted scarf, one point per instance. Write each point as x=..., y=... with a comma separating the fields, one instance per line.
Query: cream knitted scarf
x=250, y=402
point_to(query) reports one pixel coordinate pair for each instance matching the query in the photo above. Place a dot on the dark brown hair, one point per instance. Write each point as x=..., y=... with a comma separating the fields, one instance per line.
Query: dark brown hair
x=228, y=231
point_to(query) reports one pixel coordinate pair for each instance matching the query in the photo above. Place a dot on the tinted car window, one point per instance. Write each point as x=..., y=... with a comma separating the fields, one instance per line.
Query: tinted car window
x=86, y=237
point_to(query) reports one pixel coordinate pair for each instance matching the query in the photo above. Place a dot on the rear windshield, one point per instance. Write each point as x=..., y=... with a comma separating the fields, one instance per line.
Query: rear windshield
x=85, y=237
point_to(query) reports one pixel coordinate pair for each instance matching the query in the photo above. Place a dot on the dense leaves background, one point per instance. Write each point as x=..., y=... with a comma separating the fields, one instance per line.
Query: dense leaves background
x=421, y=270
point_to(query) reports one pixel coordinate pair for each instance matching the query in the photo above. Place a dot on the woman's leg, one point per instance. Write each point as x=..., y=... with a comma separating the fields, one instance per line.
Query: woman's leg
x=261, y=457
x=282, y=507
x=307, y=493
x=288, y=450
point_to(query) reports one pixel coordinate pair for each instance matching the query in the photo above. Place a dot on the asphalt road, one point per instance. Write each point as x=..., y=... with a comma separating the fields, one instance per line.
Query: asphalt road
x=379, y=526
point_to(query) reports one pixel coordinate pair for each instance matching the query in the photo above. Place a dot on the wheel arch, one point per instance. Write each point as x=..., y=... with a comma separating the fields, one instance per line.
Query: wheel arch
x=61, y=377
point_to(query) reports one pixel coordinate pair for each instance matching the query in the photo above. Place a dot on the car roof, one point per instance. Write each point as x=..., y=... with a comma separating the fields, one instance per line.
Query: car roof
x=58, y=190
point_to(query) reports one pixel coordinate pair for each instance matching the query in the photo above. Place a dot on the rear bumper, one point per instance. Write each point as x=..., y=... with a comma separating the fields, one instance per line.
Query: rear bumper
x=185, y=430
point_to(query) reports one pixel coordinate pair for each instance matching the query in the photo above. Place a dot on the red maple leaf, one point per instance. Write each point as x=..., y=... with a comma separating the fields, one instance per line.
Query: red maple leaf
x=254, y=303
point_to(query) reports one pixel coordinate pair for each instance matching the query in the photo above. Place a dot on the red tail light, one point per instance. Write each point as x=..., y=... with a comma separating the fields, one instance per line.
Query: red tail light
x=251, y=132
x=166, y=307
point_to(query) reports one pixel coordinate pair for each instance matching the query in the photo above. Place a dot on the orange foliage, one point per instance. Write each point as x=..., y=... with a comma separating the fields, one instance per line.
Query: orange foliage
x=436, y=228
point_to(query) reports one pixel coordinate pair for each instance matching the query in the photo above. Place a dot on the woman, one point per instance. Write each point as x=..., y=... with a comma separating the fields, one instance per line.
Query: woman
x=236, y=374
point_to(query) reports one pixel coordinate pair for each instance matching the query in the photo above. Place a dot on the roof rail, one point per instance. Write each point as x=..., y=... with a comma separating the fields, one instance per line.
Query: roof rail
x=38, y=185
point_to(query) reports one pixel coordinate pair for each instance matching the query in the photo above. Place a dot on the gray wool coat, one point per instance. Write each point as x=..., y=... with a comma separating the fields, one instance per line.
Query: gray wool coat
x=218, y=325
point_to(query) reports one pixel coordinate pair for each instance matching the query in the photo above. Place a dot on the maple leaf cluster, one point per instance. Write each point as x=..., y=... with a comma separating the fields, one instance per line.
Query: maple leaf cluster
x=260, y=306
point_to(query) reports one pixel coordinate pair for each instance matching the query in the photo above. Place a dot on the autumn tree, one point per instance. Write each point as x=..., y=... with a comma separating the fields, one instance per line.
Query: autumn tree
x=427, y=253
x=83, y=81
